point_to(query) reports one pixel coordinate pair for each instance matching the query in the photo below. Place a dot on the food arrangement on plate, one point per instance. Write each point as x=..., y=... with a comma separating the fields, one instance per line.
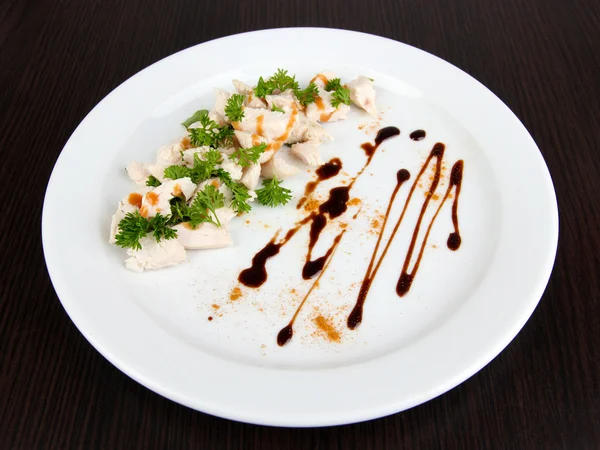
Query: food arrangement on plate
x=459, y=312
x=198, y=185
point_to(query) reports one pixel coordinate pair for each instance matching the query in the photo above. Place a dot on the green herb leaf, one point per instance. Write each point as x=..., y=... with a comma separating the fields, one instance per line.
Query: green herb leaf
x=175, y=172
x=272, y=194
x=205, y=168
x=234, y=109
x=308, y=95
x=134, y=227
x=247, y=156
x=333, y=84
x=179, y=211
x=275, y=108
x=210, y=133
x=195, y=118
x=152, y=181
x=280, y=80
x=239, y=202
x=204, y=206
x=340, y=95
x=159, y=225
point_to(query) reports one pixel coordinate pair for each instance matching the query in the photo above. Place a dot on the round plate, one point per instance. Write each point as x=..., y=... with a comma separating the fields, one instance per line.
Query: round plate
x=463, y=308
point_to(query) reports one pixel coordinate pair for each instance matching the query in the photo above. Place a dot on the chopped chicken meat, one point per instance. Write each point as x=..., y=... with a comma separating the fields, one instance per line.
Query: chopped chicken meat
x=277, y=119
x=157, y=200
x=205, y=236
x=362, y=94
x=278, y=167
x=251, y=177
x=155, y=255
x=308, y=153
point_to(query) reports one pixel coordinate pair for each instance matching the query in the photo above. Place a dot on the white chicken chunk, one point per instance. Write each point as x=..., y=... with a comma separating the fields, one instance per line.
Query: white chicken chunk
x=316, y=134
x=269, y=124
x=227, y=195
x=218, y=119
x=247, y=140
x=127, y=205
x=188, y=155
x=138, y=173
x=169, y=155
x=225, y=214
x=205, y=236
x=221, y=98
x=362, y=94
x=323, y=111
x=157, y=200
x=250, y=101
x=251, y=176
x=300, y=128
x=308, y=153
x=322, y=78
x=155, y=255
x=234, y=169
x=241, y=87
x=278, y=167
x=157, y=171
x=286, y=101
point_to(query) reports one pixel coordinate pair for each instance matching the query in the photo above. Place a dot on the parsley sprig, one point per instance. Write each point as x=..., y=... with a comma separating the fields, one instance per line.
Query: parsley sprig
x=204, y=206
x=210, y=133
x=280, y=80
x=134, y=227
x=340, y=95
x=247, y=156
x=273, y=194
x=307, y=95
x=234, y=109
x=203, y=168
x=239, y=202
x=152, y=181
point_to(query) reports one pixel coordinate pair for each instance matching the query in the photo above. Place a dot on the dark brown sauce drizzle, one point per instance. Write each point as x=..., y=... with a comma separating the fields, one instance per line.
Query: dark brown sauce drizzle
x=406, y=278
x=334, y=206
x=418, y=135
x=454, y=239
x=256, y=275
x=286, y=333
x=355, y=317
x=328, y=170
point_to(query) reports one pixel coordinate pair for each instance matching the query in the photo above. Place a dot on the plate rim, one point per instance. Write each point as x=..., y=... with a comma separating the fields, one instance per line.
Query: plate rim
x=391, y=407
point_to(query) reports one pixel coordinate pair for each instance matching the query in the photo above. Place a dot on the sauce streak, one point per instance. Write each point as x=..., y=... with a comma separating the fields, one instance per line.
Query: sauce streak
x=336, y=205
x=418, y=135
x=259, y=125
x=135, y=199
x=286, y=333
x=328, y=170
x=256, y=275
x=279, y=141
x=406, y=278
x=152, y=198
x=321, y=77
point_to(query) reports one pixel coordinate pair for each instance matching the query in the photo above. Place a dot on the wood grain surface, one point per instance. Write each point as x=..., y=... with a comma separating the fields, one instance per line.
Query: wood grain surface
x=58, y=58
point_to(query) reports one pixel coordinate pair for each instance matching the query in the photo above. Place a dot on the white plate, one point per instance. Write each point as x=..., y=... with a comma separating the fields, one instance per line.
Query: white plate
x=463, y=309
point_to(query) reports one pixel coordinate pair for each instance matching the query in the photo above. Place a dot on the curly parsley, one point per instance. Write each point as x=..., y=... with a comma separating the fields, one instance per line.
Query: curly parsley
x=134, y=227
x=205, y=205
x=272, y=194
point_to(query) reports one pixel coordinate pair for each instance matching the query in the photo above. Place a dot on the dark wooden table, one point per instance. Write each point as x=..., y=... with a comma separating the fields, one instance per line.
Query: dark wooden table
x=59, y=58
